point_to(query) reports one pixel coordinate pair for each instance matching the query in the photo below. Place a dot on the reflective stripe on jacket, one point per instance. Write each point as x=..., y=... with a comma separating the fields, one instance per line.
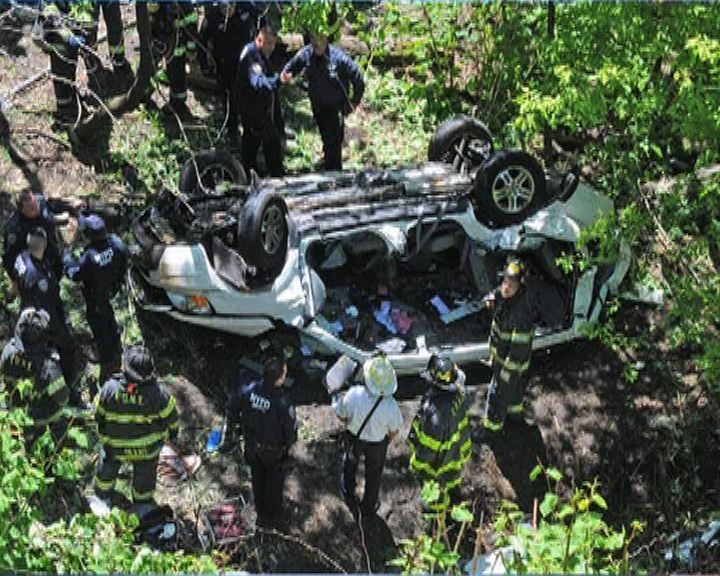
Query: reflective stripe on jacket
x=439, y=441
x=511, y=338
x=134, y=420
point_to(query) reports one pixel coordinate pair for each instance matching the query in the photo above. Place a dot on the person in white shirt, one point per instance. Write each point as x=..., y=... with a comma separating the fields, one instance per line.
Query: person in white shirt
x=372, y=419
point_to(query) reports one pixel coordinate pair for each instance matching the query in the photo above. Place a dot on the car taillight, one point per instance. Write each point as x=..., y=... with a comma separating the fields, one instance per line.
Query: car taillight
x=198, y=304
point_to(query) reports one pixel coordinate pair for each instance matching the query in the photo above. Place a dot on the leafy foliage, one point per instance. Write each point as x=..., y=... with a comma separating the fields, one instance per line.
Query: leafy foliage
x=571, y=536
x=34, y=475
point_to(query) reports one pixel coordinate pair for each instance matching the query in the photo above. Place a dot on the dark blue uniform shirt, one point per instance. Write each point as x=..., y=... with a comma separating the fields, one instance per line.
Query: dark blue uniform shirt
x=15, y=240
x=101, y=268
x=39, y=287
x=268, y=418
x=256, y=87
x=330, y=77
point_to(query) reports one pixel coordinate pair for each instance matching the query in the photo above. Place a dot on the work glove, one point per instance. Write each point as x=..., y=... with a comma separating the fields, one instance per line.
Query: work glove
x=76, y=40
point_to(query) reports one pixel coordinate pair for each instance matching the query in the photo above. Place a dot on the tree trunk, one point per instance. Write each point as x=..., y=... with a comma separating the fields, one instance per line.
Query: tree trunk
x=547, y=131
x=141, y=85
x=24, y=162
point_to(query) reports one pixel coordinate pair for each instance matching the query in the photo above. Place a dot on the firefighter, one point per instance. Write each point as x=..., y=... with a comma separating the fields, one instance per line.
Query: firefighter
x=439, y=440
x=336, y=87
x=259, y=104
x=226, y=28
x=174, y=31
x=135, y=416
x=39, y=287
x=270, y=430
x=115, y=37
x=101, y=269
x=372, y=419
x=28, y=356
x=511, y=335
x=31, y=212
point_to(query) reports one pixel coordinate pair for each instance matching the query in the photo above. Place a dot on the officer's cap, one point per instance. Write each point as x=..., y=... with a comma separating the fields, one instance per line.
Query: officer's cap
x=138, y=364
x=379, y=376
x=32, y=326
x=92, y=225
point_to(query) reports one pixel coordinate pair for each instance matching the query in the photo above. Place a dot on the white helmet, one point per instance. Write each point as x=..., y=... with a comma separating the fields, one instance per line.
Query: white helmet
x=379, y=376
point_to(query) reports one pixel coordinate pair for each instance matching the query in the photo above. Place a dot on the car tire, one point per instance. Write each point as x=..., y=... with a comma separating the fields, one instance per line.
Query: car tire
x=477, y=145
x=202, y=173
x=509, y=187
x=263, y=232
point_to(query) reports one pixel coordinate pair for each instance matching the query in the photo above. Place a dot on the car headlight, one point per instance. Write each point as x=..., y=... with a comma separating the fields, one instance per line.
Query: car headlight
x=190, y=303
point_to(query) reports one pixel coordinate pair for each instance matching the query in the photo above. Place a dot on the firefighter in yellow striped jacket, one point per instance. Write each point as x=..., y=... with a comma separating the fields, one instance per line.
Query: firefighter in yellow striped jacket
x=439, y=440
x=27, y=356
x=510, y=347
x=135, y=416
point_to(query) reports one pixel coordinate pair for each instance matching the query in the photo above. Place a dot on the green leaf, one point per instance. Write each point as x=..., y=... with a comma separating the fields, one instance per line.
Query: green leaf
x=462, y=514
x=548, y=504
x=554, y=474
x=600, y=501
x=79, y=437
x=430, y=492
x=536, y=472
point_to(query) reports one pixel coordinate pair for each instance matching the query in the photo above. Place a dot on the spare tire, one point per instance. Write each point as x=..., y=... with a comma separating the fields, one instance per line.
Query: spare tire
x=509, y=187
x=207, y=170
x=263, y=232
x=463, y=142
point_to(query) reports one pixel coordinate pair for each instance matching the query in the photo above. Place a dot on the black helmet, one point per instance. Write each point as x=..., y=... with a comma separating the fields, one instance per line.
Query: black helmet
x=138, y=364
x=32, y=327
x=443, y=372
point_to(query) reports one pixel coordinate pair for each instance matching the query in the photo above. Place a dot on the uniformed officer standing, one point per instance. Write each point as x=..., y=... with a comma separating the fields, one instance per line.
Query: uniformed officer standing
x=135, y=416
x=439, y=441
x=39, y=287
x=31, y=212
x=511, y=335
x=225, y=30
x=331, y=74
x=101, y=269
x=372, y=419
x=28, y=356
x=259, y=105
x=270, y=429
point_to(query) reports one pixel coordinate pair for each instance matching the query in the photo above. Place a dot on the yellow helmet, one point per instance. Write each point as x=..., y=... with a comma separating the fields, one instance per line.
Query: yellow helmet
x=379, y=376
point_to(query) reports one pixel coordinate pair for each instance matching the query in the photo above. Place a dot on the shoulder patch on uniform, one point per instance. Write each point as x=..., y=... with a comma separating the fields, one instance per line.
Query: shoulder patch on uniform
x=43, y=285
x=256, y=68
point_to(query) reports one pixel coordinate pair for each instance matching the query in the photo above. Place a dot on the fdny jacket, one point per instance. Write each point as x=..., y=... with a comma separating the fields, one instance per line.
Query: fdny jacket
x=268, y=419
x=511, y=335
x=439, y=440
x=256, y=87
x=16, y=232
x=49, y=394
x=330, y=77
x=134, y=419
x=101, y=268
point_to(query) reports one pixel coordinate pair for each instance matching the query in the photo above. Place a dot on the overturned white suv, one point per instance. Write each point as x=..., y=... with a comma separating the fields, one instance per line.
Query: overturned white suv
x=390, y=259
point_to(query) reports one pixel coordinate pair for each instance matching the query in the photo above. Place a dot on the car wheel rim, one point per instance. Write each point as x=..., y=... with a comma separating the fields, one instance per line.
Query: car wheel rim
x=272, y=229
x=513, y=189
x=215, y=174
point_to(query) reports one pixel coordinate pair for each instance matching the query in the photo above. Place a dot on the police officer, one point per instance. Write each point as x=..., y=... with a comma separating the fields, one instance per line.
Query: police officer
x=330, y=74
x=39, y=287
x=226, y=28
x=28, y=356
x=31, y=212
x=511, y=335
x=101, y=269
x=270, y=429
x=259, y=104
x=135, y=416
x=439, y=441
x=372, y=419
